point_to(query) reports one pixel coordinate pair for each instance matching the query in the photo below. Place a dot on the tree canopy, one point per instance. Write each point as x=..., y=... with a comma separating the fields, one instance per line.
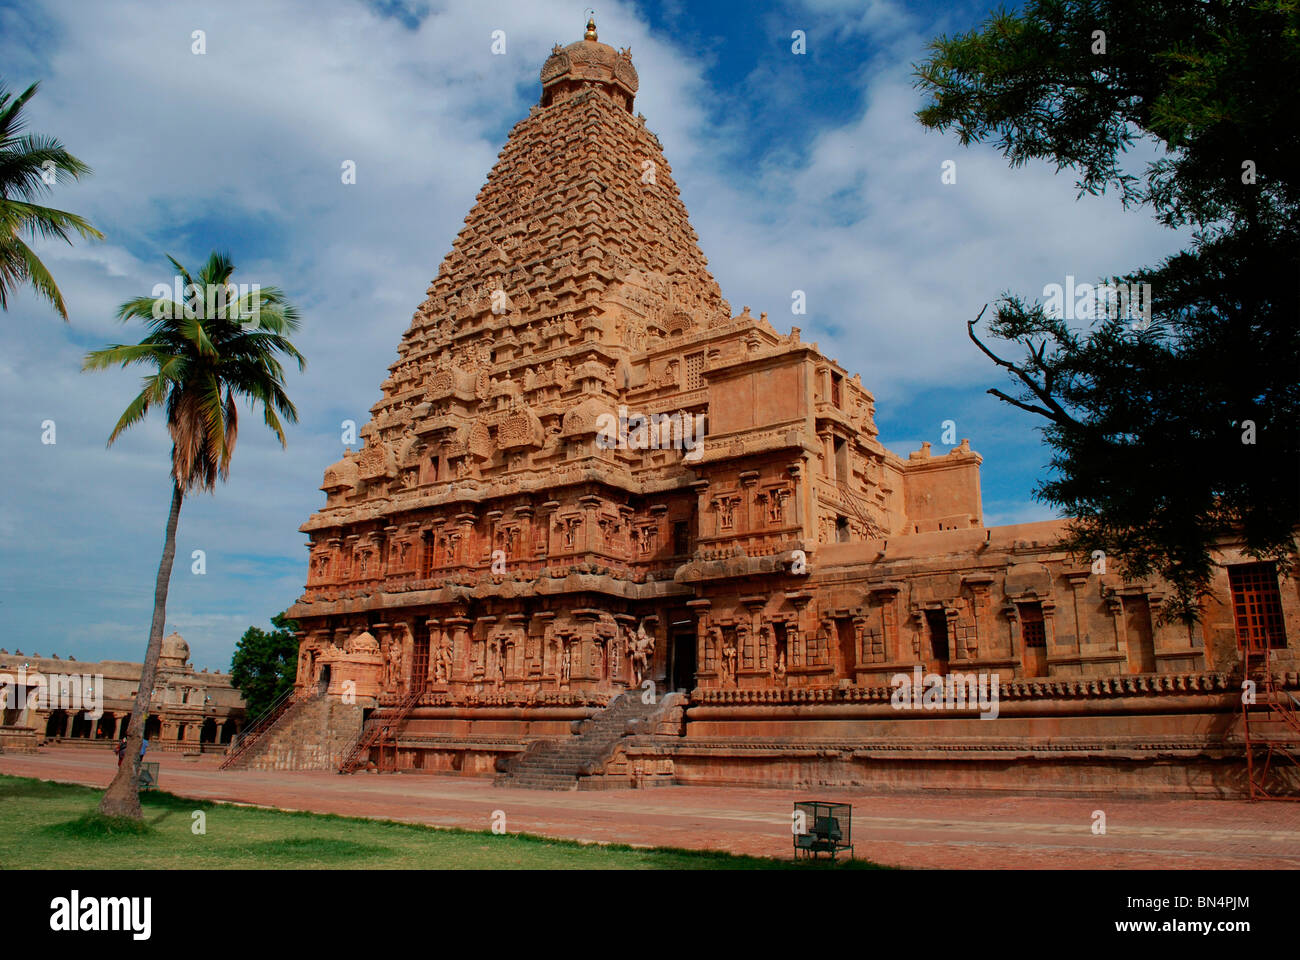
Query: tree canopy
x=265, y=664
x=1172, y=428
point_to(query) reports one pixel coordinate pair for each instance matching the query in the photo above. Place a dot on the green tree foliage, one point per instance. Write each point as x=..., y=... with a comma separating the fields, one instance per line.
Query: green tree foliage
x=29, y=165
x=1171, y=430
x=265, y=664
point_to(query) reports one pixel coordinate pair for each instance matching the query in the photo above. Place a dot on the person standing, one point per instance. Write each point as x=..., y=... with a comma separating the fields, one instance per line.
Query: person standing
x=120, y=750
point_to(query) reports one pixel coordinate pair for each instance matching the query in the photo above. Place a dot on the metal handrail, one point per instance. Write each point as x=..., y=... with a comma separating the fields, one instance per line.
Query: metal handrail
x=250, y=734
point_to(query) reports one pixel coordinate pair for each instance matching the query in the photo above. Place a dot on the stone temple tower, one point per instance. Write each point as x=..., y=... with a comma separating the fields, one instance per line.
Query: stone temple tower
x=594, y=504
x=579, y=443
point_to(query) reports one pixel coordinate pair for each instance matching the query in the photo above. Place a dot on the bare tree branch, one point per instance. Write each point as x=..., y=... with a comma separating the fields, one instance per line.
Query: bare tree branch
x=1051, y=409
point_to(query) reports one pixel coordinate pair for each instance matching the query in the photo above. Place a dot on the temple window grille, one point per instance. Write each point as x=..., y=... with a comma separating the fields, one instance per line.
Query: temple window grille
x=426, y=557
x=1257, y=606
x=694, y=371
x=1031, y=624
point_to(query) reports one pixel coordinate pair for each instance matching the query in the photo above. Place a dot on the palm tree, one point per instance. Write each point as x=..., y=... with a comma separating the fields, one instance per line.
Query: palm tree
x=29, y=165
x=202, y=358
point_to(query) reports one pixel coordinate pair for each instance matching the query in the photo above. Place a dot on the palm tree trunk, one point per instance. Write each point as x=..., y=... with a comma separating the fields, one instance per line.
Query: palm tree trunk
x=122, y=798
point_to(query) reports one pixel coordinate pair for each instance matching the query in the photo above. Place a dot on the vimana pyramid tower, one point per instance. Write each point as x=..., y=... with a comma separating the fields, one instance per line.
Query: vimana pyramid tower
x=586, y=477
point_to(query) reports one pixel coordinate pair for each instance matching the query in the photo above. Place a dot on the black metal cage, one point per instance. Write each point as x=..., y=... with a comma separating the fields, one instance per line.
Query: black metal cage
x=822, y=827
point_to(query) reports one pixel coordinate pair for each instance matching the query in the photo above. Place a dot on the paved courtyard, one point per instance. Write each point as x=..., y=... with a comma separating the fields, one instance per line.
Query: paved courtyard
x=944, y=831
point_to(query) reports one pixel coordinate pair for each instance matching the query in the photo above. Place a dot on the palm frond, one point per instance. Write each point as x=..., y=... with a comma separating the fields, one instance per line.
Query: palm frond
x=26, y=266
x=205, y=366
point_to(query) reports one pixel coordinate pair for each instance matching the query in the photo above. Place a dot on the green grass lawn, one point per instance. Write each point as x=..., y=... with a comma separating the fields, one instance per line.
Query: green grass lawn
x=54, y=826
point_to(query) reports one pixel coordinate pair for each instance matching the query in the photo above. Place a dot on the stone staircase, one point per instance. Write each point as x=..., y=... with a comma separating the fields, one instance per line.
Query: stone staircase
x=557, y=764
x=314, y=734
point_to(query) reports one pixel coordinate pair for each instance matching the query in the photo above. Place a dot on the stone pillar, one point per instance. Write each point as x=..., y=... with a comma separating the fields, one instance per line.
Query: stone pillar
x=119, y=726
x=1013, y=629
x=862, y=652
x=1078, y=582
x=460, y=660
x=465, y=552
x=1115, y=607
x=221, y=732
x=67, y=724
x=1049, y=625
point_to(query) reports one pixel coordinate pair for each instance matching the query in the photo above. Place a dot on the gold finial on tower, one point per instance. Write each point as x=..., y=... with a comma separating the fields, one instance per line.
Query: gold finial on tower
x=591, y=29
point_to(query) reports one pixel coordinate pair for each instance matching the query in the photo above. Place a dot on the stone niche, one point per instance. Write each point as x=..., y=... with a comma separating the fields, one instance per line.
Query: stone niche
x=1028, y=580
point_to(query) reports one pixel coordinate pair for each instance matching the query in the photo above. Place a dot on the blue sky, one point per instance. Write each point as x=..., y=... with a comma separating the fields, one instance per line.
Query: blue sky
x=801, y=173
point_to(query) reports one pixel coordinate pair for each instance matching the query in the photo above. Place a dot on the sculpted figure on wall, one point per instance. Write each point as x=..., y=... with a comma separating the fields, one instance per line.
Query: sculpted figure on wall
x=386, y=664
x=442, y=662
x=394, y=671
x=640, y=649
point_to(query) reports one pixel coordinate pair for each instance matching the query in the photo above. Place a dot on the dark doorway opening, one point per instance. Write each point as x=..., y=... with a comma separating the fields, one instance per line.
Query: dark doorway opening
x=937, y=621
x=841, y=459
x=848, y=653
x=56, y=724
x=681, y=658
x=80, y=726
x=780, y=649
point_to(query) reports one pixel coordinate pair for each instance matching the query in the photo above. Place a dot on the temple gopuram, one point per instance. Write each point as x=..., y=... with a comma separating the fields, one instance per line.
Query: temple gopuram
x=606, y=531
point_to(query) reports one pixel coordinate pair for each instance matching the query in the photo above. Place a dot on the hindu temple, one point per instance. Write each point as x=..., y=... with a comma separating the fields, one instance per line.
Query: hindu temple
x=605, y=530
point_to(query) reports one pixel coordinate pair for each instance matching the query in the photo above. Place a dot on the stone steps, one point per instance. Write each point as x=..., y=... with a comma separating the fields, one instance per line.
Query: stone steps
x=557, y=764
x=312, y=735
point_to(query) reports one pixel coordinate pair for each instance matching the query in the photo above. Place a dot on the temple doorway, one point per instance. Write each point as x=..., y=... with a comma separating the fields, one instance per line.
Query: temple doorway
x=56, y=724
x=847, y=638
x=1137, y=627
x=937, y=622
x=1033, y=639
x=681, y=657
